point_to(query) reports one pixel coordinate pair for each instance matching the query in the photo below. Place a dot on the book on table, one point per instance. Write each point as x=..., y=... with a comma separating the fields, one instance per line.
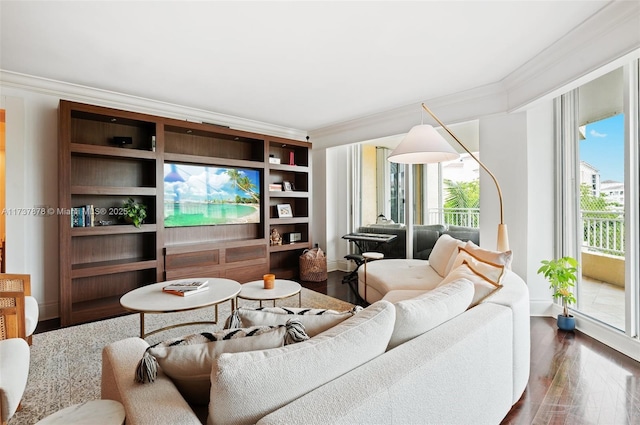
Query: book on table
x=185, y=292
x=187, y=285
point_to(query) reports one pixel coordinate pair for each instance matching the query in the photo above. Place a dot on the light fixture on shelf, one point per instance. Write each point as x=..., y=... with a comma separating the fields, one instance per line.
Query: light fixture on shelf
x=424, y=145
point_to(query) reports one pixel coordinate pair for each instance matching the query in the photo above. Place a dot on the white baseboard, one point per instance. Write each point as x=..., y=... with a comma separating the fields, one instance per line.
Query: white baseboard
x=341, y=265
x=612, y=337
x=541, y=308
x=48, y=311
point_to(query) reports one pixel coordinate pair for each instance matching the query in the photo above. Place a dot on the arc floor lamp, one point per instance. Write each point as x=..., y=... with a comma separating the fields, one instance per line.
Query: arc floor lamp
x=424, y=145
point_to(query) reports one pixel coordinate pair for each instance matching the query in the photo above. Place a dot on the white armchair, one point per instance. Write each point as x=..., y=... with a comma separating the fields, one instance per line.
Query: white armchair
x=17, y=307
x=14, y=371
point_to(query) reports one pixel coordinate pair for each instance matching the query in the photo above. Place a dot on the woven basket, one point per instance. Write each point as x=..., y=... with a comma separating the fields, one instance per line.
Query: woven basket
x=313, y=269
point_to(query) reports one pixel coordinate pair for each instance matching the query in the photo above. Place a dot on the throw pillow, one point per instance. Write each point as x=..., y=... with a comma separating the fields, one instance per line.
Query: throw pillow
x=443, y=253
x=424, y=312
x=491, y=272
x=188, y=360
x=247, y=386
x=482, y=287
x=495, y=257
x=314, y=320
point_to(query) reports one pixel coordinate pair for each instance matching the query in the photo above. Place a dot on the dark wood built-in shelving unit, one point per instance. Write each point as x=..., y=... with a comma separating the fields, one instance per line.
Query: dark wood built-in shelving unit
x=99, y=264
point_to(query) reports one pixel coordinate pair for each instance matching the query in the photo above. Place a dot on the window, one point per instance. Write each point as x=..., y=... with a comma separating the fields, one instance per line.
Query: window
x=439, y=194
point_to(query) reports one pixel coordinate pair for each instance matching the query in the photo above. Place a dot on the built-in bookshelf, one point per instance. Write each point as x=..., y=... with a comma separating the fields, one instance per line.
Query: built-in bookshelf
x=292, y=173
x=107, y=156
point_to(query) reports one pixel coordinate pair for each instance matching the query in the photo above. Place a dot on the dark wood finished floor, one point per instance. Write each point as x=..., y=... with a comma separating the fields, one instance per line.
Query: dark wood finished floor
x=574, y=379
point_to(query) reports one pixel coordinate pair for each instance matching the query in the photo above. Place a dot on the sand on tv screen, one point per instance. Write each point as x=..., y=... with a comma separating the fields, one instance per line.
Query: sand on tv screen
x=200, y=195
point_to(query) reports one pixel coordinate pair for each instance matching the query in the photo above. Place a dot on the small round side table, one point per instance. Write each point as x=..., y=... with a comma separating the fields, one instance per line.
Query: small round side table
x=281, y=289
x=95, y=412
x=369, y=256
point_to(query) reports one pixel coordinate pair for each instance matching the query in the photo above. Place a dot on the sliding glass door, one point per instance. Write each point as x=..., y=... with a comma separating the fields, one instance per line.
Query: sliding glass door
x=598, y=200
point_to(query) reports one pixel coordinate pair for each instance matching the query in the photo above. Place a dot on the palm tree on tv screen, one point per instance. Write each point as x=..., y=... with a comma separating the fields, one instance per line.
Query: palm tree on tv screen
x=243, y=183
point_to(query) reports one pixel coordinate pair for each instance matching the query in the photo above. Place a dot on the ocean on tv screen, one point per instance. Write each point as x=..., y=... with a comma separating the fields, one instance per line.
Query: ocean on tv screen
x=187, y=214
x=201, y=195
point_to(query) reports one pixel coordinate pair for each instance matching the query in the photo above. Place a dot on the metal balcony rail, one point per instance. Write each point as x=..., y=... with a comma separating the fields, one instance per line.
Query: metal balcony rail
x=603, y=231
x=468, y=217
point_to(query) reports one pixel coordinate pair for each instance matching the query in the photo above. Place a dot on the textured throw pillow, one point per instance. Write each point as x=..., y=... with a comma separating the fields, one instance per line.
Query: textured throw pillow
x=247, y=386
x=482, y=287
x=493, y=273
x=495, y=257
x=188, y=360
x=314, y=320
x=443, y=253
x=424, y=312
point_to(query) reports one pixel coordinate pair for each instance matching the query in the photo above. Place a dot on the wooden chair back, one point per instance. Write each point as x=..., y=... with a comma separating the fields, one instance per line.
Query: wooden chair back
x=13, y=289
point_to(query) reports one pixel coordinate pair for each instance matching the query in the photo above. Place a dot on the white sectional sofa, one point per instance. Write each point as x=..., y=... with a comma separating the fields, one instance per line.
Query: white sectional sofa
x=471, y=367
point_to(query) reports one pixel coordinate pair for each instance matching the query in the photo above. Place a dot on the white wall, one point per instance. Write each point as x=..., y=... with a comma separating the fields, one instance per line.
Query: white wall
x=32, y=176
x=336, y=201
x=541, y=194
x=519, y=149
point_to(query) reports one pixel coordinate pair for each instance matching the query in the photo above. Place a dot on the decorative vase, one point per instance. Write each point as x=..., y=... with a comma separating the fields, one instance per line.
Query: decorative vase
x=566, y=323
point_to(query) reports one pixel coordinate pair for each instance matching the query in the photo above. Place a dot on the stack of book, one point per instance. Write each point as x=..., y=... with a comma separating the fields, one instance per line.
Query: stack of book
x=185, y=288
x=83, y=216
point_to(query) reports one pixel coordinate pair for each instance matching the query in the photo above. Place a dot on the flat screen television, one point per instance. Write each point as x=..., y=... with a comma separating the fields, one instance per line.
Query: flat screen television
x=203, y=195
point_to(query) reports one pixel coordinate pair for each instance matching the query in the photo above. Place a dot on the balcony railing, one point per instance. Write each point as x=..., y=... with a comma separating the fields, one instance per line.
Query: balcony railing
x=468, y=217
x=603, y=231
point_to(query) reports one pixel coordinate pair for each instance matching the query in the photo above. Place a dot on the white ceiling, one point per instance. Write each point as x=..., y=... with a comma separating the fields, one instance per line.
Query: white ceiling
x=303, y=65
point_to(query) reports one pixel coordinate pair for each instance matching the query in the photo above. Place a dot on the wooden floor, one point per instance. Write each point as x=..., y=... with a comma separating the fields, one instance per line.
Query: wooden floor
x=574, y=379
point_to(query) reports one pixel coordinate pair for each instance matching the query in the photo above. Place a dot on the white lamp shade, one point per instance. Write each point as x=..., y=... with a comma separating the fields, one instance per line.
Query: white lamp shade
x=423, y=145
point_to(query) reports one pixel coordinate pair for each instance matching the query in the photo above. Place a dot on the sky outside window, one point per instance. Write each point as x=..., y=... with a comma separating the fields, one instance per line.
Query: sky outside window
x=603, y=147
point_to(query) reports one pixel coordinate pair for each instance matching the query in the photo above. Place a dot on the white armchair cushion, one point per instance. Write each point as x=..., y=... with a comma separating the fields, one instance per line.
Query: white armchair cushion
x=14, y=371
x=31, y=314
x=424, y=312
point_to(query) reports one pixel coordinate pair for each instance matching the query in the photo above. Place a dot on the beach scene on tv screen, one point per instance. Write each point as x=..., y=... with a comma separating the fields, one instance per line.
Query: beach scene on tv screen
x=198, y=195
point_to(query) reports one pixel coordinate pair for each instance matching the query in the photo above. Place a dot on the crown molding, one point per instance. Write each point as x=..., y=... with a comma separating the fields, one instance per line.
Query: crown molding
x=455, y=108
x=117, y=100
x=609, y=35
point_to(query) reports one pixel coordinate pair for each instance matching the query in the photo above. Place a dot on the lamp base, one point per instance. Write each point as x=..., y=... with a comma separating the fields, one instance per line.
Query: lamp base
x=503, y=238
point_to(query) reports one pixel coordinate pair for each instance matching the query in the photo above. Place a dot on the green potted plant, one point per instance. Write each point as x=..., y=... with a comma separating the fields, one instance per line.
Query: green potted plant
x=134, y=212
x=562, y=276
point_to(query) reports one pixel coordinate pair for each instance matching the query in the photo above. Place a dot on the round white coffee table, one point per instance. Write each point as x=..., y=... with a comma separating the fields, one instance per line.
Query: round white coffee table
x=95, y=412
x=281, y=289
x=151, y=299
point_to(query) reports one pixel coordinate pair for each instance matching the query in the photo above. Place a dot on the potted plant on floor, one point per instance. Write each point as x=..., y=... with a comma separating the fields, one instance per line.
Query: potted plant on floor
x=562, y=276
x=134, y=212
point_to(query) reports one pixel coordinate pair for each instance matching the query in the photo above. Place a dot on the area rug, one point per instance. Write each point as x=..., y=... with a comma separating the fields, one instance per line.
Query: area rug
x=66, y=363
